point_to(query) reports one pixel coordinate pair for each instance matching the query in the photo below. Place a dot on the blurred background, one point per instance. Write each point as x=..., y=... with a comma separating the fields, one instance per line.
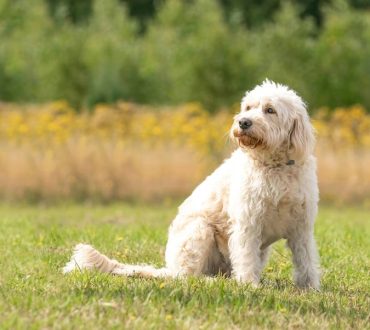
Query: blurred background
x=132, y=100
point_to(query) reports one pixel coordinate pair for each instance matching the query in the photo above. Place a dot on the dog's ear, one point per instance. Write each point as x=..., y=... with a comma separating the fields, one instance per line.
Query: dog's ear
x=302, y=138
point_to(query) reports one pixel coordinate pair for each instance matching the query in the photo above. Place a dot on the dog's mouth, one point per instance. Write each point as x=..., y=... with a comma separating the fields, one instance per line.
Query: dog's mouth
x=246, y=140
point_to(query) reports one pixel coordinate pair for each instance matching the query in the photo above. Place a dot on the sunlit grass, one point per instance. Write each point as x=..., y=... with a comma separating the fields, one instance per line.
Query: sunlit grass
x=36, y=241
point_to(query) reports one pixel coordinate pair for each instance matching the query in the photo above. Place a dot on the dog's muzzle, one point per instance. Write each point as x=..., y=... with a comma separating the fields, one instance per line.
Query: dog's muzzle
x=244, y=135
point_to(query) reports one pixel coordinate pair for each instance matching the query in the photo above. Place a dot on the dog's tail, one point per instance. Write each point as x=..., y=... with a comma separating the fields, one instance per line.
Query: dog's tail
x=86, y=257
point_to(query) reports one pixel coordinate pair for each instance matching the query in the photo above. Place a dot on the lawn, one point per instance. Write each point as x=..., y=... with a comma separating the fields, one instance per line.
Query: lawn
x=36, y=241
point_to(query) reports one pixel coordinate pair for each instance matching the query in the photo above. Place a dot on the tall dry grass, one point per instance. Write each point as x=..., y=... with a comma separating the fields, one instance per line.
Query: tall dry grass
x=344, y=176
x=98, y=171
x=128, y=152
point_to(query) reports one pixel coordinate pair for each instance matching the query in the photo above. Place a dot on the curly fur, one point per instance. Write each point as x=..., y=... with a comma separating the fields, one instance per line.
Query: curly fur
x=266, y=191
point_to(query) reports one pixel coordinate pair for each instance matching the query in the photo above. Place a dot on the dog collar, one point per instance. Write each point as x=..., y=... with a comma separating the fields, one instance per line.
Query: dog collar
x=288, y=163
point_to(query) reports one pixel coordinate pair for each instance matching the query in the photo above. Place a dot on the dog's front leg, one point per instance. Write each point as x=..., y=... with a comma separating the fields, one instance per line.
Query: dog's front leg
x=305, y=258
x=245, y=254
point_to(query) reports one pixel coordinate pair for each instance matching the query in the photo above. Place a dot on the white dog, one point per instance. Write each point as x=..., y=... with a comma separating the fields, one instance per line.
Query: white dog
x=267, y=190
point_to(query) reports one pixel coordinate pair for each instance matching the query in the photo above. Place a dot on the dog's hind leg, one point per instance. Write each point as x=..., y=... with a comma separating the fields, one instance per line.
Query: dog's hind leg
x=192, y=249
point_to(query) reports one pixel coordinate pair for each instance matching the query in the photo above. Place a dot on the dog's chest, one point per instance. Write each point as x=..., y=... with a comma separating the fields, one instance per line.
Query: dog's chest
x=277, y=221
x=283, y=205
x=272, y=198
x=267, y=186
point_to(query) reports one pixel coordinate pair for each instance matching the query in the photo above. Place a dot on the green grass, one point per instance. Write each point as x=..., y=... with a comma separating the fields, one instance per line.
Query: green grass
x=36, y=241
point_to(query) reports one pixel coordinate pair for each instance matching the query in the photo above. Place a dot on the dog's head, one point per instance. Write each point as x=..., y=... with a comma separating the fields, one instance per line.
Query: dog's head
x=272, y=117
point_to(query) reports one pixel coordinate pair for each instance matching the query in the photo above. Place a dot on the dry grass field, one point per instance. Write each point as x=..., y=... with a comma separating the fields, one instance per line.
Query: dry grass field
x=132, y=152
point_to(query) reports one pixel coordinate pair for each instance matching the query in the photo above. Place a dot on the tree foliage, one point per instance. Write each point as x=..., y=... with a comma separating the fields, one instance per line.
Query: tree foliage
x=190, y=51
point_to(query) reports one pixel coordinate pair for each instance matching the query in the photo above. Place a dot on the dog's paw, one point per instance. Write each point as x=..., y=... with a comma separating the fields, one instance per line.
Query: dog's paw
x=252, y=280
x=306, y=282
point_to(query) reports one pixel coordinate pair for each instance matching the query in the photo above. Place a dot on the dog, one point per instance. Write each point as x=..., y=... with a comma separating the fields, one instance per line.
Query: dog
x=267, y=190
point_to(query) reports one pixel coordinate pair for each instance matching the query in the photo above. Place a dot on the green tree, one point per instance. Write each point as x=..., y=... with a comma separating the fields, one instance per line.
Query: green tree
x=284, y=48
x=23, y=29
x=112, y=54
x=63, y=71
x=196, y=55
x=75, y=11
x=342, y=59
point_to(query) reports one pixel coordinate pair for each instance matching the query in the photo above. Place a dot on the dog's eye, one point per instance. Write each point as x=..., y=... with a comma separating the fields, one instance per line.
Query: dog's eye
x=270, y=110
x=247, y=108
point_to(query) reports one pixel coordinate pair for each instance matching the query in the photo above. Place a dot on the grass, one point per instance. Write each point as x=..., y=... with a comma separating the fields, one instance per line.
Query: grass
x=36, y=241
x=133, y=152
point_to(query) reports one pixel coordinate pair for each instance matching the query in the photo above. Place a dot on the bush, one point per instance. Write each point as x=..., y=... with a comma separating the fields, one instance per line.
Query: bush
x=284, y=48
x=342, y=59
x=111, y=54
x=198, y=57
x=188, y=53
x=24, y=29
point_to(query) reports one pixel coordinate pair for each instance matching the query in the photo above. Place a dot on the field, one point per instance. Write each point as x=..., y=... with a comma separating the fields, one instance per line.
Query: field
x=112, y=112
x=36, y=241
x=126, y=151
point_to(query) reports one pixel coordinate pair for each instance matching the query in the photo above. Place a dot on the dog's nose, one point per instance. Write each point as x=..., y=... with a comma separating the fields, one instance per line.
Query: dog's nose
x=245, y=123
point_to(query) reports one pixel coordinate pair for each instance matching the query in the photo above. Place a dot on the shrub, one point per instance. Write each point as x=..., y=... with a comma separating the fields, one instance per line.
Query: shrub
x=188, y=53
x=284, y=48
x=24, y=28
x=342, y=60
x=192, y=55
x=110, y=52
